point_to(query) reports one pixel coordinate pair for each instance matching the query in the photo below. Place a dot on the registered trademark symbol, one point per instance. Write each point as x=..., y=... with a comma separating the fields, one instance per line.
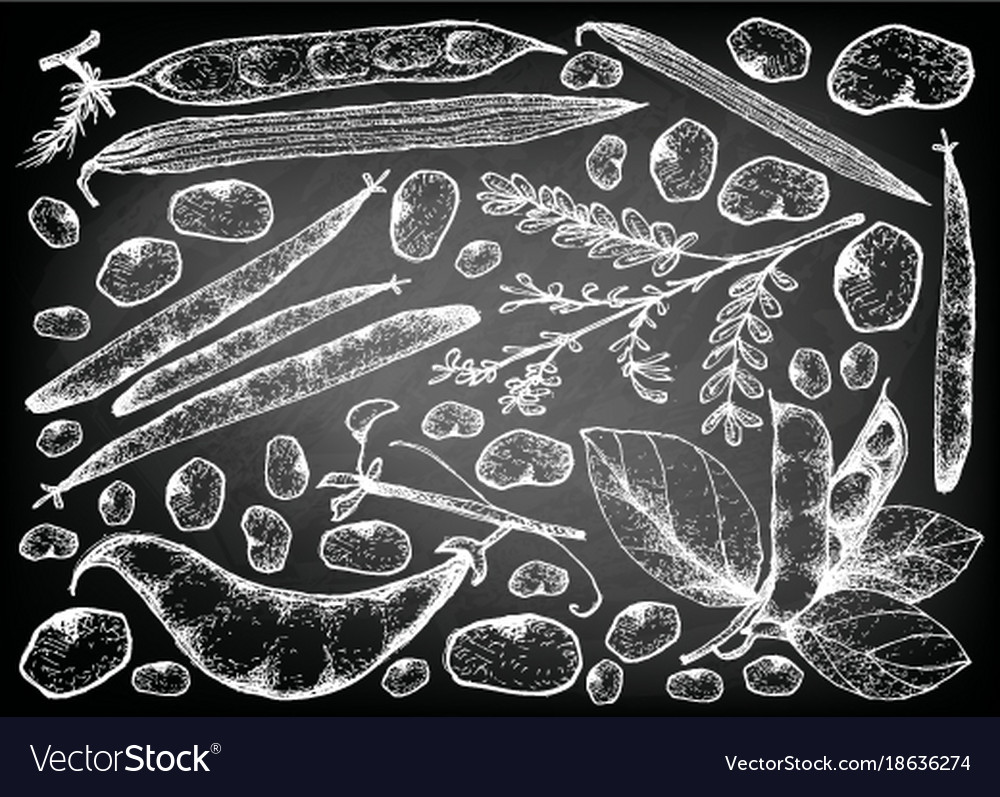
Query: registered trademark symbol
x=216, y=747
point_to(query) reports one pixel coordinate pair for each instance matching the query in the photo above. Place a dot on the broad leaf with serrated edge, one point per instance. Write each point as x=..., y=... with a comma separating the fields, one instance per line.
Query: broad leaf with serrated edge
x=876, y=646
x=678, y=513
x=908, y=553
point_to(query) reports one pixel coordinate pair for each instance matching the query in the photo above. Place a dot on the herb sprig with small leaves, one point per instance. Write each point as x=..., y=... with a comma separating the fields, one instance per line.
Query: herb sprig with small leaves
x=632, y=241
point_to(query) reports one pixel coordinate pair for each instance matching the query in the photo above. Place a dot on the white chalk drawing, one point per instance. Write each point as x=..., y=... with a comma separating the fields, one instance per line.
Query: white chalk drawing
x=769, y=51
x=195, y=494
x=696, y=685
x=268, y=537
x=161, y=679
x=222, y=210
x=116, y=503
x=809, y=373
x=827, y=149
x=896, y=66
x=370, y=547
x=643, y=630
x=910, y=654
x=846, y=572
x=65, y=322
x=241, y=344
x=362, y=416
x=955, y=341
x=518, y=654
x=604, y=682
x=201, y=310
x=76, y=650
x=773, y=676
x=678, y=513
x=138, y=270
x=590, y=70
x=877, y=278
x=55, y=222
x=522, y=457
x=476, y=120
x=865, y=477
x=48, y=541
x=537, y=578
x=453, y=419
x=264, y=389
x=907, y=553
x=801, y=477
x=286, y=469
x=294, y=645
x=59, y=437
x=635, y=242
x=859, y=366
x=250, y=69
x=405, y=676
x=422, y=210
x=606, y=160
x=773, y=189
x=682, y=161
x=478, y=258
x=366, y=480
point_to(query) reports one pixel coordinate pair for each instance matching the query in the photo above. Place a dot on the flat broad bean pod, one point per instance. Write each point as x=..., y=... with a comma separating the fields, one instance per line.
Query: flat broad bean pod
x=275, y=643
x=192, y=143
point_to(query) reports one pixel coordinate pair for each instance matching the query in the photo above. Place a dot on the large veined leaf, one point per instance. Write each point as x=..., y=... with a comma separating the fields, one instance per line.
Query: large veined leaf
x=908, y=553
x=678, y=513
x=876, y=646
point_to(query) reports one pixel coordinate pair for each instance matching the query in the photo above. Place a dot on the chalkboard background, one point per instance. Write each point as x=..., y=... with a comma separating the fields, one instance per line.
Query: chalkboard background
x=593, y=392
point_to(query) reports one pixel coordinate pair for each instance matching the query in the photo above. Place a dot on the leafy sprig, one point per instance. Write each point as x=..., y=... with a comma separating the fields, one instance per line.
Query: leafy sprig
x=629, y=241
x=740, y=330
x=633, y=242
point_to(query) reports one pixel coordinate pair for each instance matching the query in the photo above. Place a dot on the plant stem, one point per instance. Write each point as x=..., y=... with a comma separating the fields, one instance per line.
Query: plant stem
x=468, y=508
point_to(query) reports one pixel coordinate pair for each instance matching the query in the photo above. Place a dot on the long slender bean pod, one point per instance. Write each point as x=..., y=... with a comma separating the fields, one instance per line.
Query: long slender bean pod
x=254, y=68
x=241, y=344
x=833, y=152
x=956, y=331
x=197, y=312
x=463, y=507
x=279, y=644
x=191, y=143
x=276, y=385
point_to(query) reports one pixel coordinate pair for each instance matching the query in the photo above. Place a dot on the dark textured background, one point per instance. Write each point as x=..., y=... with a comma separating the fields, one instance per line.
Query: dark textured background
x=593, y=393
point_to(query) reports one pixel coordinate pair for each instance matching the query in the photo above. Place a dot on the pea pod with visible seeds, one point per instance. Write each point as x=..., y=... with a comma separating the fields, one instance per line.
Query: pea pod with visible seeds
x=275, y=643
x=864, y=479
x=250, y=69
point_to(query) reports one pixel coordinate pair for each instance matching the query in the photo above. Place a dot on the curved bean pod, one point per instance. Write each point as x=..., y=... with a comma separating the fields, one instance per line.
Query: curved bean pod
x=275, y=643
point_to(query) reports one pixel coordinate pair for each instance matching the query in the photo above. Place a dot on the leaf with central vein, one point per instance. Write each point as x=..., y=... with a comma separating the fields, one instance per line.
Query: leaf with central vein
x=876, y=646
x=908, y=553
x=678, y=513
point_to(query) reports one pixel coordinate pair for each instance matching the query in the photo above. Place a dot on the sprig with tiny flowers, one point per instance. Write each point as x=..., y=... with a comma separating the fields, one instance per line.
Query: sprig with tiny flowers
x=631, y=243
x=541, y=377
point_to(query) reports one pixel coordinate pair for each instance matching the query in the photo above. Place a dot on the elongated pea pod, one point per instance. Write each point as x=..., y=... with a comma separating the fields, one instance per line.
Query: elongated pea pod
x=173, y=326
x=275, y=643
x=801, y=465
x=275, y=385
x=956, y=331
x=250, y=69
x=202, y=142
x=864, y=479
x=240, y=345
x=664, y=57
